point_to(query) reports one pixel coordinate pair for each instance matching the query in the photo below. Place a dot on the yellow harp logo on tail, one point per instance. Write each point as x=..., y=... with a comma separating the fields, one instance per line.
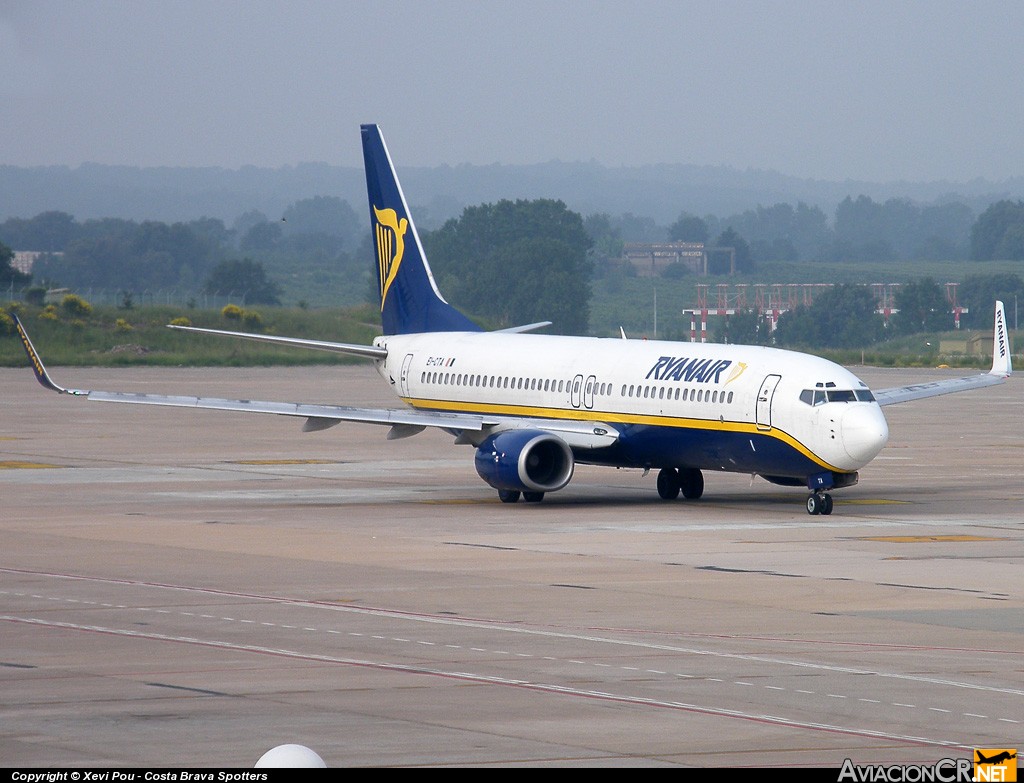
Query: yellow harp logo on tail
x=390, y=236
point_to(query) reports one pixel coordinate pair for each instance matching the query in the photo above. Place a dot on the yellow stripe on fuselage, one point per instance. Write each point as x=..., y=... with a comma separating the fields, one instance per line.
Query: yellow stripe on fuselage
x=712, y=425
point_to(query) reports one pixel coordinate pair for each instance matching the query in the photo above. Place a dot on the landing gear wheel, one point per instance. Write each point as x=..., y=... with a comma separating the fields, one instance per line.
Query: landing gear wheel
x=508, y=495
x=814, y=505
x=691, y=481
x=826, y=504
x=819, y=503
x=668, y=483
x=533, y=497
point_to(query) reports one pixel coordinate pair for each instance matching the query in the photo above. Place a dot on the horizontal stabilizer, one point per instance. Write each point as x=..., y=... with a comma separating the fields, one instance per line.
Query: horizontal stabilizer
x=366, y=351
x=524, y=328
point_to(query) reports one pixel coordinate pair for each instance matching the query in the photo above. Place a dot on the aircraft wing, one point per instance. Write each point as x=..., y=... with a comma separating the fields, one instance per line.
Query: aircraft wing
x=318, y=417
x=918, y=391
x=1001, y=370
x=403, y=422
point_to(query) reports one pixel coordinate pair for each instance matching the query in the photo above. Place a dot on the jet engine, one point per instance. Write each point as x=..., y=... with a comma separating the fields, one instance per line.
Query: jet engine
x=525, y=461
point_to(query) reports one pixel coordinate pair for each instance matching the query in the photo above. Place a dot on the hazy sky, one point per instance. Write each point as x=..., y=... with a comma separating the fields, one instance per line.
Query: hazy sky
x=831, y=90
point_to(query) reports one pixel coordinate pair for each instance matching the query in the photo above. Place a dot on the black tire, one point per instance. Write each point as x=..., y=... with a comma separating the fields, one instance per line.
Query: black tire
x=533, y=497
x=826, y=504
x=668, y=483
x=814, y=505
x=508, y=495
x=691, y=480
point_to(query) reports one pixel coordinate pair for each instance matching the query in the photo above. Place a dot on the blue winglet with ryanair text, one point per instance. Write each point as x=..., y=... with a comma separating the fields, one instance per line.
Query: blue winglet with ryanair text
x=37, y=364
x=410, y=301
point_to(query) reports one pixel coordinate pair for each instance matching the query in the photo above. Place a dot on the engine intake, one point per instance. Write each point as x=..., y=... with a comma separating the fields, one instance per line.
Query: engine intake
x=525, y=461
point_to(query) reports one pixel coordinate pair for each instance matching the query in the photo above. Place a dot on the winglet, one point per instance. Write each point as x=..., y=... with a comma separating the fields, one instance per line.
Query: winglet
x=1001, y=363
x=37, y=364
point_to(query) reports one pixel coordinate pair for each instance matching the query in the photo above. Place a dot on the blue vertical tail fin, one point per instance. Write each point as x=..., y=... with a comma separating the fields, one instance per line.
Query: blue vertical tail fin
x=409, y=299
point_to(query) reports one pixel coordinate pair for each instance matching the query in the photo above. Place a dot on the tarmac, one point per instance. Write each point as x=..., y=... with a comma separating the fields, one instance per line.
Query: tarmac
x=184, y=588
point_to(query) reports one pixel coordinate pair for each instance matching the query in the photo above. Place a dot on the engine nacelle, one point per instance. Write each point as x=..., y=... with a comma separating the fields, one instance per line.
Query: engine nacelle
x=525, y=461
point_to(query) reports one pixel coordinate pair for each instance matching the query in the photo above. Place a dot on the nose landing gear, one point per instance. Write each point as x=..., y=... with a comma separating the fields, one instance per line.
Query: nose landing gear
x=819, y=503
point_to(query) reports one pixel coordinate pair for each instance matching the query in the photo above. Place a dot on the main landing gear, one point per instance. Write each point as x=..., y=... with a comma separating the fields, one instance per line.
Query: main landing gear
x=819, y=503
x=512, y=496
x=688, y=481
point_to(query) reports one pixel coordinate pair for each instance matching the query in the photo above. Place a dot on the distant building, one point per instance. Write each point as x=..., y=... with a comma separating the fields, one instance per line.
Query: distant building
x=24, y=259
x=650, y=260
x=976, y=344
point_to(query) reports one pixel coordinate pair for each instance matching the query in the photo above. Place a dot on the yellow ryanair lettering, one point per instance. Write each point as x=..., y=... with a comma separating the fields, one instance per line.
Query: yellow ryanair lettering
x=36, y=364
x=390, y=237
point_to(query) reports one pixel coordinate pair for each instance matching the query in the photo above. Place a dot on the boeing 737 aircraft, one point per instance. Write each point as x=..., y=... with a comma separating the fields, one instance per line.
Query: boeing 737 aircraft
x=533, y=406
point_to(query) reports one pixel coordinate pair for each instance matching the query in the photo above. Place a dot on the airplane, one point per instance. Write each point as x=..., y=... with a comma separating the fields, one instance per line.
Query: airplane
x=999, y=758
x=533, y=406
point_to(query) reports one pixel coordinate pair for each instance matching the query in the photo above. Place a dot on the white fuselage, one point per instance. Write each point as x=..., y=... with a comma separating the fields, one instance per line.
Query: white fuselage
x=720, y=407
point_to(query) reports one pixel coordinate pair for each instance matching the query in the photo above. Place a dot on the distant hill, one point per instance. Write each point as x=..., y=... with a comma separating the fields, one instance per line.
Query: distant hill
x=438, y=193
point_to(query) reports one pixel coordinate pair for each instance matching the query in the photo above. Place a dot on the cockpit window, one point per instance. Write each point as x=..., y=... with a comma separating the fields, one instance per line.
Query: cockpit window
x=812, y=397
x=815, y=397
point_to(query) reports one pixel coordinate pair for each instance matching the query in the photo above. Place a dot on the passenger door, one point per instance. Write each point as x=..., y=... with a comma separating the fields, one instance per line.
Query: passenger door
x=763, y=414
x=403, y=380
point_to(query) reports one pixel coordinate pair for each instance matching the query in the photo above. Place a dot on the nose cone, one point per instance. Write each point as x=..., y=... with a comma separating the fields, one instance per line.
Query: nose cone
x=864, y=432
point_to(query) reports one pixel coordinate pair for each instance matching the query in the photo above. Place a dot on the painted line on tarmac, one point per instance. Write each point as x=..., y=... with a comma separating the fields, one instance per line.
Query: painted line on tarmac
x=538, y=687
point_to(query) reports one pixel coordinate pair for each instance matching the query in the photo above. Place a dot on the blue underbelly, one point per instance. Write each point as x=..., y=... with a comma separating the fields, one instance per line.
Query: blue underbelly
x=643, y=446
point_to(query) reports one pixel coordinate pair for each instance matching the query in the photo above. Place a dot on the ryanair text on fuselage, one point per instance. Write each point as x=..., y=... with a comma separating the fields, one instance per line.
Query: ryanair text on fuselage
x=672, y=368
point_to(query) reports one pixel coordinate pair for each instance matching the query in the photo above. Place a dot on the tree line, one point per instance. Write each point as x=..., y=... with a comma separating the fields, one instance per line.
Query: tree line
x=314, y=237
x=511, y=262
x=845, y=316
x=861, y=230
